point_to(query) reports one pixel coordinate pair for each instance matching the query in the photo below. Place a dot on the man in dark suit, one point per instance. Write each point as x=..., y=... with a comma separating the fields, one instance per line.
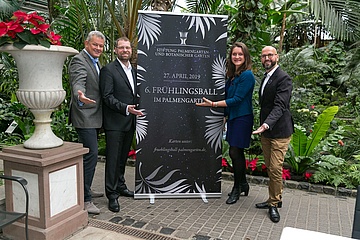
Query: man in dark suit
x=276, y=126
x=118, y=86
x=86, y=109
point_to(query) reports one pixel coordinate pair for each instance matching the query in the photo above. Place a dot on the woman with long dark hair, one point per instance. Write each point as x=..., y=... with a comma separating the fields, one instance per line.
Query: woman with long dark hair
x=239, y=116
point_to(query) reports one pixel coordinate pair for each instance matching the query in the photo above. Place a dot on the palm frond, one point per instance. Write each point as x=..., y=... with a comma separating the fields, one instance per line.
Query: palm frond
x=341, y=18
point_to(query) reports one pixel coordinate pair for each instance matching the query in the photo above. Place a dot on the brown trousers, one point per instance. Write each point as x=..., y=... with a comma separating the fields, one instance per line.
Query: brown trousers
x=274, y=151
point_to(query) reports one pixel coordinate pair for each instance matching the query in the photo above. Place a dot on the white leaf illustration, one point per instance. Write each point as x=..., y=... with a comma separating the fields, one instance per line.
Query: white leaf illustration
x=214, y=127
x=146, y=185
x=220, y=170
x=200, y=190
x=148, y=28
x=199, y=22
x=219, y=72
x=224, y=35
x=141, y=127
x=140, y=77
x=141, y=52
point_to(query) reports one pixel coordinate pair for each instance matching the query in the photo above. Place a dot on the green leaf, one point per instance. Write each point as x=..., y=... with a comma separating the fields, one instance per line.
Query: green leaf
x=28, y=37
x=45, y=43
x=298, y=142
x=19, y=45
x=320, y=128
x=4, y=40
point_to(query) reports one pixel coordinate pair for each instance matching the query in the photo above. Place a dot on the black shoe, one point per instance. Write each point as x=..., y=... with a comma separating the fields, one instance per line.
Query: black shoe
x=265, y=205
x=126, y=193
x=114, y=205
x=234, y=196
x=274, y=214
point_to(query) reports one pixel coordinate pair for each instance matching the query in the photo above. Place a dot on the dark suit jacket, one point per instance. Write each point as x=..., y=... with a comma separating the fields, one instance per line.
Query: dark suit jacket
x=275, y=105
x=117, y=93
x=84, y=77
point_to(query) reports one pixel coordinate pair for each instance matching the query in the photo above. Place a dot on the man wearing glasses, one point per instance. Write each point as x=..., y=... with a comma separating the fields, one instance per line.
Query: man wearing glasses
x=119, y=91
x=276, y=126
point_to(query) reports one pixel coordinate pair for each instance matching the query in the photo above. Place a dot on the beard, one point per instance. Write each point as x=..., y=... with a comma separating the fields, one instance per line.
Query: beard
x=124, y=57
x=269, y=64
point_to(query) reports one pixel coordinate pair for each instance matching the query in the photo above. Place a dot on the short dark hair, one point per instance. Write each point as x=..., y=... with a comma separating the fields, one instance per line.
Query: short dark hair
x=121, y=39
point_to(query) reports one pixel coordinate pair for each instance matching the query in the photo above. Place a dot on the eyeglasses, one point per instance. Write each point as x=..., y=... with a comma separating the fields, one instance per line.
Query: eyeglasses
x=123, y=48
x=270, y=55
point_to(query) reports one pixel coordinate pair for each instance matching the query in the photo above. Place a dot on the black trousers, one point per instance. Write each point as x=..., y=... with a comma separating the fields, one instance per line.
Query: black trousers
x=118, y=144
x=89, y=138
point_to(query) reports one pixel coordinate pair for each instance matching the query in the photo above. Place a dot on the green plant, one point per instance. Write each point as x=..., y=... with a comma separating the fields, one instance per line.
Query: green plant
x=12, y=139
x=60, y=126
x=226, y=157
x=9, y=82
x=23, y=29
x=23, y=117
x=300, y=154
x=101, y=144
x=336, y=171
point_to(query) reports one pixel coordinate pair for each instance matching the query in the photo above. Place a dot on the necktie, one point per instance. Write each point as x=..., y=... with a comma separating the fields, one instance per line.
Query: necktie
x=95, y=61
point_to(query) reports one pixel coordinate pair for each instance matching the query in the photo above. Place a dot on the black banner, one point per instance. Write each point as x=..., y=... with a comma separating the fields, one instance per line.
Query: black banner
x=181, y=58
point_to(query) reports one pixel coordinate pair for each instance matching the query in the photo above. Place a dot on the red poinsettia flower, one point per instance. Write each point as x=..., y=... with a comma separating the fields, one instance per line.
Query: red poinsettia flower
x=263, y=167
x=21, y=25
x=224, y=163
x=34, y=18
x=132, y=154
x=3, y=28
x=54, y=38
x=286, y=174
x=307, y=175
x=252, y=164
x=20, y=16
x=10, y=29
x=41, y=28
x=14, y=28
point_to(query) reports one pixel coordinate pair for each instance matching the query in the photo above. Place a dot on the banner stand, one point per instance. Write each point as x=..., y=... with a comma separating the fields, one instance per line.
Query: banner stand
x=181, y=59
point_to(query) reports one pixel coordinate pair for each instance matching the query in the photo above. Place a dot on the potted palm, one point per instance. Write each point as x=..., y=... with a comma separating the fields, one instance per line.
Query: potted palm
x=39, y=57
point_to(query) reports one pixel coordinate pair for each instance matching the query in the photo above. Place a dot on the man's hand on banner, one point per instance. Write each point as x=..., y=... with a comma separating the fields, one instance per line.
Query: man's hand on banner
x=132, y=110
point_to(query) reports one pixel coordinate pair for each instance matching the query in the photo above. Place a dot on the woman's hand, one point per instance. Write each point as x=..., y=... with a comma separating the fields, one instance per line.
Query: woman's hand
x=206, y=103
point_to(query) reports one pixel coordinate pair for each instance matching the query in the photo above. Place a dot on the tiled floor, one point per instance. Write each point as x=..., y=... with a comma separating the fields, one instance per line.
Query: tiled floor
x=193, y=219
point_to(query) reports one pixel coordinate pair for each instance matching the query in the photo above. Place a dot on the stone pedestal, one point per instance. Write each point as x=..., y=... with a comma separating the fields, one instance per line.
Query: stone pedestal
x=55, y=185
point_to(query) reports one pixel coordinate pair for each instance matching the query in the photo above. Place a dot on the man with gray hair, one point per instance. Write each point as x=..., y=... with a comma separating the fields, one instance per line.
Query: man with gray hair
x=86, y=108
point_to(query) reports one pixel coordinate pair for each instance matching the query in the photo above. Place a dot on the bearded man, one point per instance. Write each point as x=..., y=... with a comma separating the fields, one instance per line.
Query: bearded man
x=118, y=87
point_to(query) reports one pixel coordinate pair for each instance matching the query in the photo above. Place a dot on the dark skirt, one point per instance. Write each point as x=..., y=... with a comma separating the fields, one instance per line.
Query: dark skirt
x=238, y=131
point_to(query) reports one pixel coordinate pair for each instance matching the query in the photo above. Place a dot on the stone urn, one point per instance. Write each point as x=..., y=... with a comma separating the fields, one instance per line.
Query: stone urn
x=40, y=87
